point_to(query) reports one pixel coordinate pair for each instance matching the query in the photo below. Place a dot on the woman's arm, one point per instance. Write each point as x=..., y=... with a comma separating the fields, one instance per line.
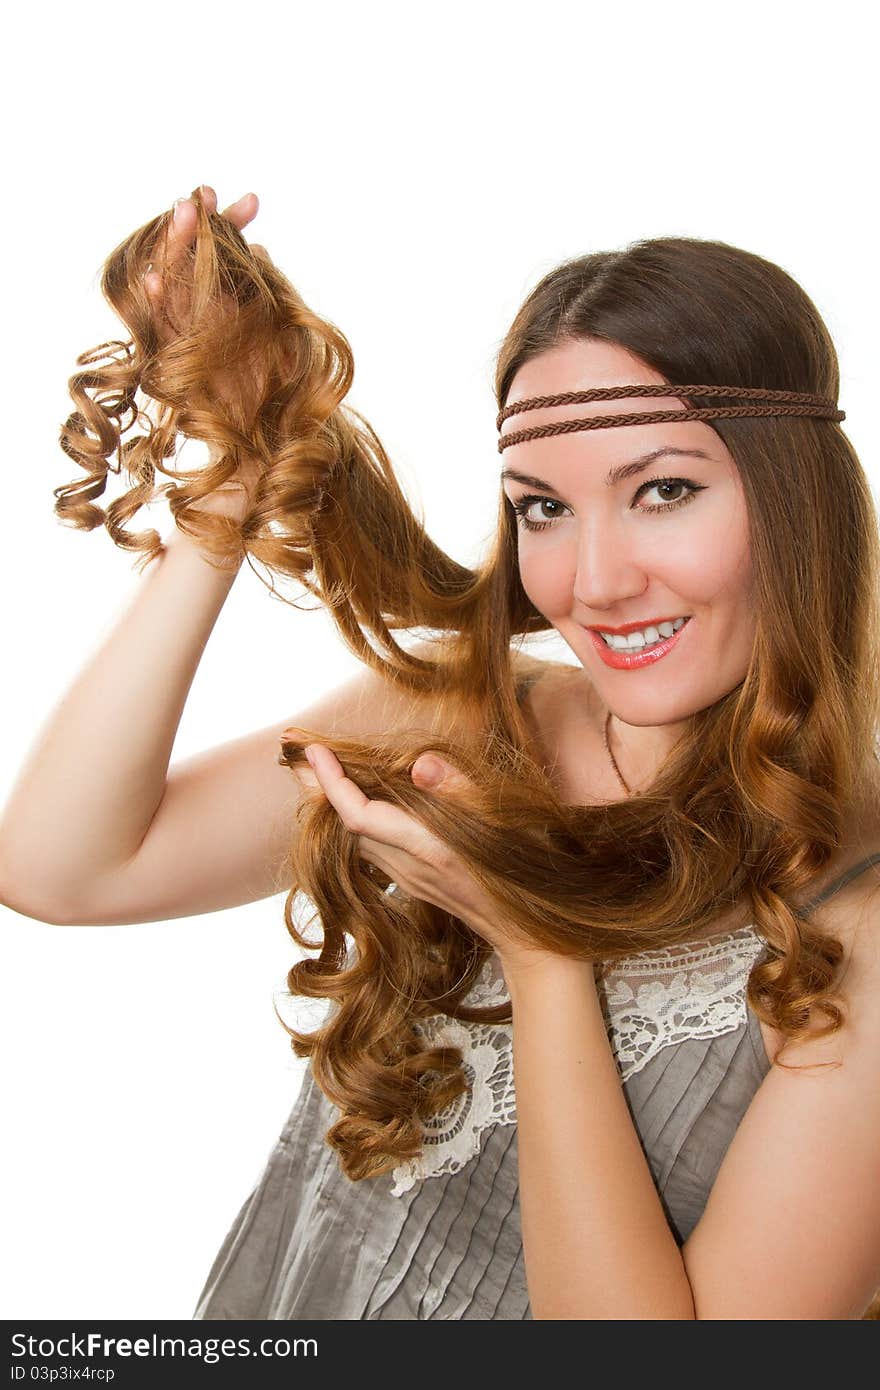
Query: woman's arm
x=791, y=1229
x=596, y=1240
x=85, y=796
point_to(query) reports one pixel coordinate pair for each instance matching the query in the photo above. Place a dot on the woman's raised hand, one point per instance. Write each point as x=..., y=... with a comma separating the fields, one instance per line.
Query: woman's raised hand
x=168, y=286
x=166, y=283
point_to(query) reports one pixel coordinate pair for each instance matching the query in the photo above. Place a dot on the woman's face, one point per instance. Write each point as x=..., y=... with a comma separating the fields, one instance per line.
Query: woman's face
x=605, y=558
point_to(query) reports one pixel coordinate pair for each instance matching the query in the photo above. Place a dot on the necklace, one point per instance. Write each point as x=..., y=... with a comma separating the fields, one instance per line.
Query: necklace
x=611, y=755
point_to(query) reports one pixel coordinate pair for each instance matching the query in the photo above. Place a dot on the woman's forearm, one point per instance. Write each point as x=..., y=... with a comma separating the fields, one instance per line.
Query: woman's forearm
x=596, y=1240
x=96, y=772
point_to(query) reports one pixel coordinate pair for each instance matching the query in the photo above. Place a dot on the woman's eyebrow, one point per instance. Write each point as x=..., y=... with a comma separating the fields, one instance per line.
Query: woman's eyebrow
x=614, y=475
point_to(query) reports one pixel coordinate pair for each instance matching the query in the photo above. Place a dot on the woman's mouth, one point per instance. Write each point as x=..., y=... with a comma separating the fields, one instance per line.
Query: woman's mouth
x=627, y=660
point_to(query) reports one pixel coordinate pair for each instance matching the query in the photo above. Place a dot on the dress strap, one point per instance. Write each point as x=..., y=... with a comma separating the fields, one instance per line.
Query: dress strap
x=841, y=882
x=525, y=682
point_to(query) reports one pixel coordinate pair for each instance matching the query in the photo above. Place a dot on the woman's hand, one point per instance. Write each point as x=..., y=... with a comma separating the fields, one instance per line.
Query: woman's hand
x=415, y=859
x=168, y=287
x=166, y=283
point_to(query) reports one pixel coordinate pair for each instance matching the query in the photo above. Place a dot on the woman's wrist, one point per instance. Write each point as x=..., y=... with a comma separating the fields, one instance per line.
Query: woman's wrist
x=535, y=972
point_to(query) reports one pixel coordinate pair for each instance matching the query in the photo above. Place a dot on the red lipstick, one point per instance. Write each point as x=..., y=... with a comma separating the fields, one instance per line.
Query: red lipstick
x=643, y=656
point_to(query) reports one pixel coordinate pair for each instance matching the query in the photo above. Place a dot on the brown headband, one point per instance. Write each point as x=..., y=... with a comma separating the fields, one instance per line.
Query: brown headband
x=799, y=403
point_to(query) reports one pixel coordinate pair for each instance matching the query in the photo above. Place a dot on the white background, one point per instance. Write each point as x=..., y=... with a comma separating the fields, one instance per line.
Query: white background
x=419, y=168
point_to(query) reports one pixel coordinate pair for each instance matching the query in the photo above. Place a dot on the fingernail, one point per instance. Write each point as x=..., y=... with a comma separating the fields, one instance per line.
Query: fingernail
x=308, y=753
x=176, y=207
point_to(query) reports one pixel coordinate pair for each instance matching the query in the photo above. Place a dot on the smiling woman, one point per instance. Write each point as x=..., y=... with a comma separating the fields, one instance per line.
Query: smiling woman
x=545, y=927
x=604, y=557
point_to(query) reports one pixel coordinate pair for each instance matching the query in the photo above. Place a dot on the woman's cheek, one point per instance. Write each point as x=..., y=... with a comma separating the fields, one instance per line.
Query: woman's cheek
x=546, y=576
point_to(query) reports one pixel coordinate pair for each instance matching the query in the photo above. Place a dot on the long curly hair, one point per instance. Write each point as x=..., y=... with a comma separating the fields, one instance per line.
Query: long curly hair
x=747, y=807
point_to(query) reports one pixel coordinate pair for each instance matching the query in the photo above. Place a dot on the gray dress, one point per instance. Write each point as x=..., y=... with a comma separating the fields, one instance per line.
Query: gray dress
x=440, y=1237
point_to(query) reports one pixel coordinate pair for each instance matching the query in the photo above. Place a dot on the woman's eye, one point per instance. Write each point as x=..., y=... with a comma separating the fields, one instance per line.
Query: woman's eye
x=662, y=485
x=525, y=505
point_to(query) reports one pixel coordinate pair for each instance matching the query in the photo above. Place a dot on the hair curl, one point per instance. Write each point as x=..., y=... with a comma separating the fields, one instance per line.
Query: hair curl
x=747, y=806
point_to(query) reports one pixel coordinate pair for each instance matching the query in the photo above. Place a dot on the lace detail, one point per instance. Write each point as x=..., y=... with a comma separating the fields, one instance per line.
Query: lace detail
x=650, y=1000
x=452, y=1136
x=660, y=998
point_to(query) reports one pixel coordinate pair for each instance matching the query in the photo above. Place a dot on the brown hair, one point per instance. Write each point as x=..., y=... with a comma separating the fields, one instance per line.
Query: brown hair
x=748, y=805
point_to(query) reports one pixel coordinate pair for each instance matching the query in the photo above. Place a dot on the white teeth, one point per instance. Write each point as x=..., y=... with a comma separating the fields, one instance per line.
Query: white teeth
x=637, y=640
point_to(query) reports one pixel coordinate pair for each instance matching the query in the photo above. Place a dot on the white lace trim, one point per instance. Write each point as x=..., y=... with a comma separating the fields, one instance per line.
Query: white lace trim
x=661, y=998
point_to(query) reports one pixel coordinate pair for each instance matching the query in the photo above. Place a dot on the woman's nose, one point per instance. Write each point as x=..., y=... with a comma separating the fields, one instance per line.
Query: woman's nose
x=608, y=571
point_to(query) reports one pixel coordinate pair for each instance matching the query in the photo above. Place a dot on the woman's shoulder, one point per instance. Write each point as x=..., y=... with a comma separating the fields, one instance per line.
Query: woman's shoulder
x=538, y=683
x=544, y=668
x=852, y=912
x=536, y=676
x=552, y=692
x=541, y=685
x=856, y=862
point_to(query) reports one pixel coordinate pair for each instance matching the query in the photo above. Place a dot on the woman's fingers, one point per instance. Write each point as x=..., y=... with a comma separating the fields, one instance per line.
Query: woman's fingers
x=243, y=211
x=173, y=247
x=152, y=284
x=180, y=231
x=382, y=823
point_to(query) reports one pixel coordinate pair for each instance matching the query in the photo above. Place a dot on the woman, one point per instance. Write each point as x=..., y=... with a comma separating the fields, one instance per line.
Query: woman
x=617, y=878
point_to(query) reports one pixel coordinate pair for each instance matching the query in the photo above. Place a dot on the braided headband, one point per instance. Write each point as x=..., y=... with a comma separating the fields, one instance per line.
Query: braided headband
x=783, y=403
